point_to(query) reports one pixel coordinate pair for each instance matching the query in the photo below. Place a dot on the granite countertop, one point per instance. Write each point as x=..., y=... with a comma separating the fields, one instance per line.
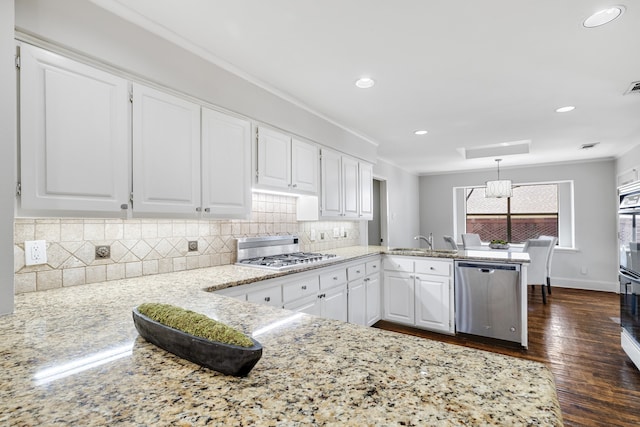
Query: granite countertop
x=233, y=275
x=72, y=356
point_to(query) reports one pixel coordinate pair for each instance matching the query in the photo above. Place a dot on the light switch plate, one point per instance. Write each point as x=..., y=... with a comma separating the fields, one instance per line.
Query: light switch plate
x=35, y=252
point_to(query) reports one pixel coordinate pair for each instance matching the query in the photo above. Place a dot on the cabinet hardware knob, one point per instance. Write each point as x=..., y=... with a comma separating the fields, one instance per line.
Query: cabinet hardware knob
x=124, y=206
x=267, y=299
x=294, y=185
x=198, y=209
x=335, y=277
x=304, y=287
x=207, y=209
x=411, y=276
x=358, y=271
x=432, y=268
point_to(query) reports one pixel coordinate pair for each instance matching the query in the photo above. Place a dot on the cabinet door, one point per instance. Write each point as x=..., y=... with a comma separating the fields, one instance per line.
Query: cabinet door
x=432, y=303
x=357, y=298
x=398, y=297
x=304, y=167
x=350, y=186
x=311, y=305
x=372, y=283
x=269, y=296
x=334, y=303
x=274, y=159
x=74, y=135
x=226, y=165
x=166, y=152
x=331, y=188
x=366, y=190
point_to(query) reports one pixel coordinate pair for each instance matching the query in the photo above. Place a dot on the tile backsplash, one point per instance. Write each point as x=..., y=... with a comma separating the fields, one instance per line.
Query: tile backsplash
x=140, y=247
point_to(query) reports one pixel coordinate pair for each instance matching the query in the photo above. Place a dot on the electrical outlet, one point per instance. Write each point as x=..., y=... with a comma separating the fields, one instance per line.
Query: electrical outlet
x=313, y=235
x=35, y=252
x=336, y=232
x=321, y=236
x=342, y=232
x=103, y=252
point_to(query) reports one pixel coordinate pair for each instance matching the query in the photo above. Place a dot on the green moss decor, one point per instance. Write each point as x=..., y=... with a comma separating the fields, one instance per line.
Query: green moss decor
x=194, y=323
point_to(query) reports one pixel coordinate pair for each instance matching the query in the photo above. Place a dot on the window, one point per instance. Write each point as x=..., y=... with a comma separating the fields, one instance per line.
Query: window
x=531, y=211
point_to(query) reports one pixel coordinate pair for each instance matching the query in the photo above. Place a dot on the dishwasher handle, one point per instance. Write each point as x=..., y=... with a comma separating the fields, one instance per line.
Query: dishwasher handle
x=485, y=268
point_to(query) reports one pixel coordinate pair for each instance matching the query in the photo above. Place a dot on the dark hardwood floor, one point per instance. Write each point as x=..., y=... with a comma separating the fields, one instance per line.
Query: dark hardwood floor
x=577, y=335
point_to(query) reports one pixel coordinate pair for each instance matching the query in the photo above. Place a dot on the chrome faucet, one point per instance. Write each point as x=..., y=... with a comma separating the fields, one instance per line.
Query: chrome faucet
x=428, y=240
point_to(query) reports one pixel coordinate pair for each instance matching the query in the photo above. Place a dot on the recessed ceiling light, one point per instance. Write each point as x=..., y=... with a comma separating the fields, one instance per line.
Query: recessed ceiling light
x=421, y=132
x=365, y=82
x=603, y=16
x=565, y=109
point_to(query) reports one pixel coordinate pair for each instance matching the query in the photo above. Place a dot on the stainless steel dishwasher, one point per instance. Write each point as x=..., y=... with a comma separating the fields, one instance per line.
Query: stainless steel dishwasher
x=488, y=299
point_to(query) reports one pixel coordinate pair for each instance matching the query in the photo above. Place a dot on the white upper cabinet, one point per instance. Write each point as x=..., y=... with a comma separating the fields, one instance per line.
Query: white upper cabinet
x=304, y=166
x=226, y=165
x=331, y=180
x=166, y=152
x=74, y=139
x=274, y=159
x=350, y=187
x=286, y=164
x=365, y=204
x=347, y=187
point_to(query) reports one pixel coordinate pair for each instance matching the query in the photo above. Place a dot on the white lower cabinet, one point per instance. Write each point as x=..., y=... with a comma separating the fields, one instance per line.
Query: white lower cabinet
x=364, y=291
x=374, y=309
x=399, y=297
x=333, y=304
x=323, y=292
x=271, y=295
x=419, y=293
x=357, y=301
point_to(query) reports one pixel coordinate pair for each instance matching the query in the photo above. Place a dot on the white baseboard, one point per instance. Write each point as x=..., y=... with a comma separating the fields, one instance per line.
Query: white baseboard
x=589, y=285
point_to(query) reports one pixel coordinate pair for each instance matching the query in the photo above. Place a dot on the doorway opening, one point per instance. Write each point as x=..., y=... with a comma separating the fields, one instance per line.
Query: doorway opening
x=377, y=227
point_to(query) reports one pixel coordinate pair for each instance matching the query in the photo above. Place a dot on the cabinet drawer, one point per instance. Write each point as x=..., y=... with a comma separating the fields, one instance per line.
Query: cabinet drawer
x=439, y=268
x=372, y=267
x=269, y=296
x=356, y=272
x=332, y=278
x=300, y=288
x=398, y=264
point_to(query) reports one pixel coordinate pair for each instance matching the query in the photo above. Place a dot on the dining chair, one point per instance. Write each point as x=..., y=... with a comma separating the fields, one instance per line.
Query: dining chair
x=538, y=250
x=452, y=243
x=471, y=239
x=554, y=241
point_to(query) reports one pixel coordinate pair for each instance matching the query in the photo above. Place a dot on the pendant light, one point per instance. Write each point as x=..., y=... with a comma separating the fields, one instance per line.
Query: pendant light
x=498, y=188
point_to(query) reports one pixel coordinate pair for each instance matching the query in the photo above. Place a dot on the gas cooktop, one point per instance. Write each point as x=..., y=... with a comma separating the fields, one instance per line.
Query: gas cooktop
x=277, y=253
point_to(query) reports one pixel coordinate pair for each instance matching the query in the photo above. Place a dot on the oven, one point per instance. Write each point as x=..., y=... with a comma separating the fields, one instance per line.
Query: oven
x=629, y=274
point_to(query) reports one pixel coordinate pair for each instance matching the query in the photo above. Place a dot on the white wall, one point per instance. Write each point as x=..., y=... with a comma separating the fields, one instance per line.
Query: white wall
x=7, y=144
x=81, y=26
x=402, y=203
x=629, y=163
x=595, y=217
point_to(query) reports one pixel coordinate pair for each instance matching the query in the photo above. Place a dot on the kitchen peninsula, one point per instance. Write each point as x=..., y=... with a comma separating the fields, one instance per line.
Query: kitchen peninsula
x=72, y=356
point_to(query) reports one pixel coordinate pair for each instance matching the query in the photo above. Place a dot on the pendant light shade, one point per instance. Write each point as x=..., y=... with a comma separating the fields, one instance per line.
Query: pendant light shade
x=498, y=188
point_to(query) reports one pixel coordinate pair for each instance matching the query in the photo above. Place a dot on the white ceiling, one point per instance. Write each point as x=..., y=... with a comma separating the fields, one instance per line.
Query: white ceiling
x=473, y=73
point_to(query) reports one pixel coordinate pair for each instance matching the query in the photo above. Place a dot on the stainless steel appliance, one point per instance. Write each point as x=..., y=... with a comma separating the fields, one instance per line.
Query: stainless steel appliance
x=277, y=253
x=629, y=274
x=488, y=300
